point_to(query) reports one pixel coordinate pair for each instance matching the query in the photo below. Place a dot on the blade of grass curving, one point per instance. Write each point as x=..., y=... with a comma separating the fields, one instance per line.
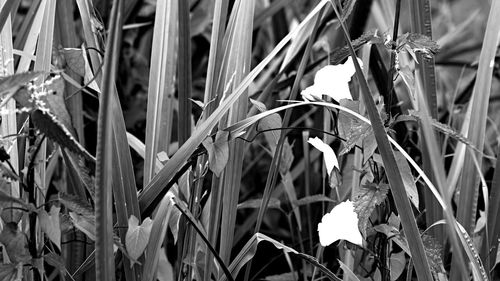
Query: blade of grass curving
x=156, y=186
x=469, y=193
x=8, y=125
x=104, y=166
x=236, y=64
x=161, y=85
x=184, y=72
x=248, y=252
x=420, y=16
x=469, y=248
x=395, y=181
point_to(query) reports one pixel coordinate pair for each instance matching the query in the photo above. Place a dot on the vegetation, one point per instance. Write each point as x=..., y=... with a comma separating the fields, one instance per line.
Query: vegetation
x=249, y=140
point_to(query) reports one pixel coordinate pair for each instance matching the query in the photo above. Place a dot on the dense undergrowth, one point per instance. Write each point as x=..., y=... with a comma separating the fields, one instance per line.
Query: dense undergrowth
x=249, y=140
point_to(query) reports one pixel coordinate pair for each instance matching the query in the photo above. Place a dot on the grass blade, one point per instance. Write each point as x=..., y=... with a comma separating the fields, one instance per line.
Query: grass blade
x=236, y=64
x=104, y=166
x=467, y=206
x=155, y=187
x=161, y=89
x=184, y=81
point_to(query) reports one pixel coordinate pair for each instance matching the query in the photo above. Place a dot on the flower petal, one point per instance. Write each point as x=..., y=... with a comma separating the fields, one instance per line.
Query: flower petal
x=340, y=223
x=332, y=81
x=328, y=154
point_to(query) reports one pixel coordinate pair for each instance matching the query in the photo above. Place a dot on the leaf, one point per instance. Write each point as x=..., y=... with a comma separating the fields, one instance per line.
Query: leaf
x=255, y=204
x=50, y=224
x=137, y=236
x=398, y=265
x=347, y=271
x=15, y=243
x=248, y=252
x=85, y=224
x=76, y=204
x=340, y=224
x=366, y=199
x=408, y=179
x=268, y=124
x=56, y=261
x=48, y=124
x=218, y=151
x=416, y=42
x=393, y=233
x=350, y=128
x=13, y=82
x=74, y=60
x=10, y=272
x=286, y=158
x=165, y=269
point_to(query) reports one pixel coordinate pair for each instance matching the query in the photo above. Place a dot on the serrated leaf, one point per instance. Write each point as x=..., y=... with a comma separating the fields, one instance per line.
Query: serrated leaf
x=351, y=129
x=367, y=198
x=218, y=151
x=48, y=124
x=50, y=224
x=342, y=53
x=13, y=82
x=137, y=236
x=417, y=42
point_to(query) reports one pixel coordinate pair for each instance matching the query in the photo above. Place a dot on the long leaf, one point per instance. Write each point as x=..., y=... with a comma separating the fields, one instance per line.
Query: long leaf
x=104, y=167
x=237, y=49
x=248, y=252
x=469, y=192
x=155, y=187
x=161, y=81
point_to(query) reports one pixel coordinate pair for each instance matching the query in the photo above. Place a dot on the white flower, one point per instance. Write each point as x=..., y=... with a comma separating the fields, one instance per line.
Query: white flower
x=332, y=80
x=340, y=223
x=328, y=154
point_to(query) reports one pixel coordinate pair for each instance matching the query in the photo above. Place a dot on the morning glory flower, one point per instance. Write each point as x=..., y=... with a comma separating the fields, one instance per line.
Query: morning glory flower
x=340, y=223
x=332, y=81
x=328, y=154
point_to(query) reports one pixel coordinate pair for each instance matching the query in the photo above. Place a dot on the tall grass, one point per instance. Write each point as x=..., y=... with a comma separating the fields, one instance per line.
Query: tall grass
x=221, y=183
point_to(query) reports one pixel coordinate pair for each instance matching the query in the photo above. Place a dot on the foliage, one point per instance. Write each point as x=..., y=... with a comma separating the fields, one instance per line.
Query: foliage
x=386, y=169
